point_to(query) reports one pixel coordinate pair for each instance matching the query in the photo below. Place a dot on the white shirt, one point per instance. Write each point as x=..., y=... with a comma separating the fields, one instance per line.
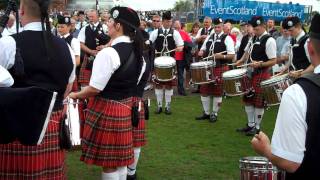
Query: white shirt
x=271, y=47
x=6, y=79
x=75, y=45
x=82, y=33
x=199, y=32
x=78, y=25
x=176, y=36
x=8, y=49
x=228, y=42
x=289, y=135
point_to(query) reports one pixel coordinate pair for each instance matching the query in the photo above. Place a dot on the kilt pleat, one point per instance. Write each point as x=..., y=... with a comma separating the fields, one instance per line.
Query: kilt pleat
x=84, y=74
x=216, y=88
x=139, y=133
x=43, y=162
x=107, y=133
x=257, y=100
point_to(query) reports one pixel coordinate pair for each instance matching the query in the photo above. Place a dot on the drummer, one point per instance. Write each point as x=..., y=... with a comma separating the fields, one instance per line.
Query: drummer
x=159, y=37
x=221, y=46
x=262, y=58
x=301, y=63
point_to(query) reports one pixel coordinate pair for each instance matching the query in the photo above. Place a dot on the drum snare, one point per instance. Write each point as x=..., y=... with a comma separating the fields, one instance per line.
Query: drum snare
x=252, y=168
x=202, y=72
x=236, y=82
x=165, y=68
x=273, y=89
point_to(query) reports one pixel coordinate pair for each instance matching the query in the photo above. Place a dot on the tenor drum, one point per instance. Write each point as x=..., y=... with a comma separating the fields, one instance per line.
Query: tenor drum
x=164, y=68
x=201, y=72
x=273, y=89
x=256, y=168
x=73, y=122
x=236, y=82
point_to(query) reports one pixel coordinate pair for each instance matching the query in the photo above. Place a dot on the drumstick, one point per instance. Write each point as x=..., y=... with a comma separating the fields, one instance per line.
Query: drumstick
x=232, y=64
x=165, y=52
x=248, y=64
x=213, y=55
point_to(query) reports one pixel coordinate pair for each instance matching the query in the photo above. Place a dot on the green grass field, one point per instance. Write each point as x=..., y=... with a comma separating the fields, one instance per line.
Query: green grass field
x=180, y=147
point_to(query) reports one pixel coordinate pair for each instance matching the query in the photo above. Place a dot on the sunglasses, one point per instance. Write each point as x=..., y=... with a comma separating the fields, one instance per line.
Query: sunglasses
x=156, y=20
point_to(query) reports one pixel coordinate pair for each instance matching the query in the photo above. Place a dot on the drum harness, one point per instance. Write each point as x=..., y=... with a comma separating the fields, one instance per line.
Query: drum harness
x=165, y=51
x=211, y=53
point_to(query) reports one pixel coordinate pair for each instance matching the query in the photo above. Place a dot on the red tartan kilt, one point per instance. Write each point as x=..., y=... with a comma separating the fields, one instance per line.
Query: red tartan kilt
x=257, y=100
x=139, y=133
x=107, y=133
x=160, y=84
x=75, y=86
x=45, y=161
x=215, y=89
x=84, y=74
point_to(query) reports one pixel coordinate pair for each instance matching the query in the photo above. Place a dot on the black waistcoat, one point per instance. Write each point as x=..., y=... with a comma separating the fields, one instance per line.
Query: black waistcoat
x=160, y=40
x=219, y=46
x=310, y=164
x=50, y=74
x=69, y=39
x=300, y=60
x=203, y=32
x=123, y=83
x=95, y=38
x=243, y=44
x=259, y=49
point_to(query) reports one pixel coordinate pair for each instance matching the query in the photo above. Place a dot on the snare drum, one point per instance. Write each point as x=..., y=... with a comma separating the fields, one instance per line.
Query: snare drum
x=201, y=72
x=73, y=122
x=236, y=82
x=164, y=68
x=255, y=168
x=273, y=89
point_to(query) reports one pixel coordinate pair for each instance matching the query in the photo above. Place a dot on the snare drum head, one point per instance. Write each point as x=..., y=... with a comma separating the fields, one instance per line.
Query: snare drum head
x=274, y=80
x=234, y=73
x=164, y=61
x=201, y=64
x=254, y=161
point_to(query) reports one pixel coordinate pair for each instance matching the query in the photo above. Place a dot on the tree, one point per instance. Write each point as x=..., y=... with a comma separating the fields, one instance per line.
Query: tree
x=183, y=6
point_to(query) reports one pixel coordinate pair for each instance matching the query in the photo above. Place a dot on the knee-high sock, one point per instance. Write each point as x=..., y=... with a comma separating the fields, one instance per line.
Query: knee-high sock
x=217, y=101
x=122, y=171
x=159, y=95
x=250, y=114
x=110, y=176
x=132, y=167
x=258, y=114
x=168, y=94
x=206, y=104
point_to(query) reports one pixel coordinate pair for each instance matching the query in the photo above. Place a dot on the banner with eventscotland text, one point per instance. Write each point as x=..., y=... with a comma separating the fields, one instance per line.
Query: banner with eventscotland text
x=243, y=10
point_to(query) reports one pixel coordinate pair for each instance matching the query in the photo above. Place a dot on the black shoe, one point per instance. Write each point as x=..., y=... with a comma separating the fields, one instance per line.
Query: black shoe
x=244, y=129
x=203, y=117
x=132, y=177
x=159, y=110
x=213, y=118
x=196, y=91
x=252, y=132
x=167, y=111
x=182, y=93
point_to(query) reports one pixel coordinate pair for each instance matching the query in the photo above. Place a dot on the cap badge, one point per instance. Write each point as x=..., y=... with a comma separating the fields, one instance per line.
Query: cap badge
x=115, y=14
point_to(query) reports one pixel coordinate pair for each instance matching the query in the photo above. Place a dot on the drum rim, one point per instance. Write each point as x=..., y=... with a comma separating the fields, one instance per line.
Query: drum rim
x=203, y=64
x=234, y=77
x=173, y=61
x=274, y=80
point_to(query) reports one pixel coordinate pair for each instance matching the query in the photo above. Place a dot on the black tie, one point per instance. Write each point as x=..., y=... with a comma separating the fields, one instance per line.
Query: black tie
x=93, y=27
x=165, y=32
x=81, y=24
